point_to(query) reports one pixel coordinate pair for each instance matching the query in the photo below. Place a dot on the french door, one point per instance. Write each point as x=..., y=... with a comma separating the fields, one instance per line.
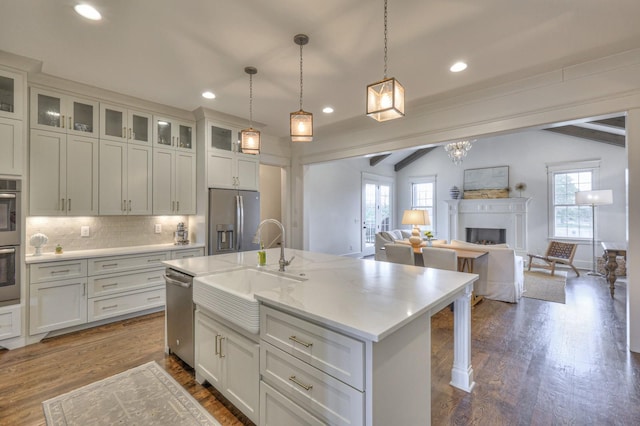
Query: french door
x=376, y=210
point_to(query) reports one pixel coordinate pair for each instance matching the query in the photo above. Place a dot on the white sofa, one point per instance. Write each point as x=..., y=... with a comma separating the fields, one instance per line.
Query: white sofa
x=501, y=275
x=388, y=237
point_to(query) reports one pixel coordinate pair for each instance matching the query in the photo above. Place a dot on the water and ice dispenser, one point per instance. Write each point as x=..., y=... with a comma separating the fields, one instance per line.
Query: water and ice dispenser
x=225, y=238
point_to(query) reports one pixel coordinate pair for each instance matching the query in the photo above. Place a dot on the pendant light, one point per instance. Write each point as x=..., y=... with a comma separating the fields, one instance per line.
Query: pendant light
x=301, y=123
x=385, y=99
x=250, y=138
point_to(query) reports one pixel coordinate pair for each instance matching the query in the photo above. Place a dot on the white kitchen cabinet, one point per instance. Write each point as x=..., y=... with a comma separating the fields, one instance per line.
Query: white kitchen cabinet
x=11, y=95
x=277, y=409
x=233, y=170
x=121, y=124
x=11, y=145
x=10, y=322
x=57, y=304
x=174, y=134
x=64, y=113
x=229, y=362
x=100, y=308
x=126, y=176
x=184, y=254
x=174, y=182
x=63, y=174
x=226, y=166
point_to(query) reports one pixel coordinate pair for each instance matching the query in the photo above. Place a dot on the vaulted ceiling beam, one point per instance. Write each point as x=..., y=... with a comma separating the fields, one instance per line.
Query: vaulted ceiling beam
x=594, y=135
x=411, y=158
x=378, y=158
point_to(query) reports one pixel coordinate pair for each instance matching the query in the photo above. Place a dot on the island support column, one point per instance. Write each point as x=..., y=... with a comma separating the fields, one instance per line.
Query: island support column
x=462, y=372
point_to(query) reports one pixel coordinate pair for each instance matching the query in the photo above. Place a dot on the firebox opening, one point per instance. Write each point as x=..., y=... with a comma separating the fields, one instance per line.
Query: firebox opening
x=486, y=235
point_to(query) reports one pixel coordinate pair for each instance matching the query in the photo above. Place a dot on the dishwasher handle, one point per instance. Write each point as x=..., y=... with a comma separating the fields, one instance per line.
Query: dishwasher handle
x=182, y=284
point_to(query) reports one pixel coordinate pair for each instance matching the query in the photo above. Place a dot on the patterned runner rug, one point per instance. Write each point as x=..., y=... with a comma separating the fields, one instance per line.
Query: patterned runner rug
x=543, y=286
x=144, y=395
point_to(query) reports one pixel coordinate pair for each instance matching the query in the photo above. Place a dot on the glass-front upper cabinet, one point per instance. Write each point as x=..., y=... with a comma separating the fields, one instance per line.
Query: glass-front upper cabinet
x=174, y=134
x=11, y=95
x=63, y=113
x=221, y=138
x=124, y=125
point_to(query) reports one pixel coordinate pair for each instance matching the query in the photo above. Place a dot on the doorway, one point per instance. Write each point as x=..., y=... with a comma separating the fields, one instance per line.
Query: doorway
x=376, y=210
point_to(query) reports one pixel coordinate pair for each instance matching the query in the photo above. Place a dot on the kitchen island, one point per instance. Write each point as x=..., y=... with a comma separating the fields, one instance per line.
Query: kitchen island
x=350, y=341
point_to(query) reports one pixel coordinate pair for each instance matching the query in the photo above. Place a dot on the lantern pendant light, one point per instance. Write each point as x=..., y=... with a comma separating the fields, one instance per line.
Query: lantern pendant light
x=385, y=99
x=301, y=122
x=250, y=138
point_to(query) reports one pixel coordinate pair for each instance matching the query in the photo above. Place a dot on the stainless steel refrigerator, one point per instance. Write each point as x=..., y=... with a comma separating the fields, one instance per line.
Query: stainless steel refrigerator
x=234, y=217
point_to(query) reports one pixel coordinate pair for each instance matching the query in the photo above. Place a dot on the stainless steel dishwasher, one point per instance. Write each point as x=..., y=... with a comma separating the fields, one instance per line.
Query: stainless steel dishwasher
x=180, y=311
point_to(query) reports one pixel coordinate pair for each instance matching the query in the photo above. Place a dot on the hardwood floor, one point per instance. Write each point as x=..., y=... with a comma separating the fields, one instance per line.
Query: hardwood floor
x=535, y=363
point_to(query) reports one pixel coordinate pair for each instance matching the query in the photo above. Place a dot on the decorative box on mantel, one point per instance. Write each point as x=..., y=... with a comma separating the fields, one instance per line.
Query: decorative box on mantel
x=507, y=213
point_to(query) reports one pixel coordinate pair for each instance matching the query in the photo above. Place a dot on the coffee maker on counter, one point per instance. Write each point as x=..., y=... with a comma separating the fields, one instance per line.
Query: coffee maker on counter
x=181, y=236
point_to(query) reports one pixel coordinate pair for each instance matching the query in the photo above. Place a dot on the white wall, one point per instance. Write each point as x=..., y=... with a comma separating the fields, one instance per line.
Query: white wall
x=334, y=188
x=333, y=216
x=527, y=154
x=270, y=200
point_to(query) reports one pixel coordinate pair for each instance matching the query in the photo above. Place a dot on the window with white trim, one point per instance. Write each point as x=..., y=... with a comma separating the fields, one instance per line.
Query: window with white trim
x=423, y=197
x=567, y=220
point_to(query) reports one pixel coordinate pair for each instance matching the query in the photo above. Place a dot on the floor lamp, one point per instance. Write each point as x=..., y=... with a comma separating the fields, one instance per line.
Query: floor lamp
x=594, y=198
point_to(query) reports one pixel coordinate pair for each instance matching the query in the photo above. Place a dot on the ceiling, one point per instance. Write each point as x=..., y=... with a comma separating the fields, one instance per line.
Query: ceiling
x=170, y=51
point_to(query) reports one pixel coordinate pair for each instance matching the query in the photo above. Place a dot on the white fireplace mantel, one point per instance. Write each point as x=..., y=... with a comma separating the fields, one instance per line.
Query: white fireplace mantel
x=507, y=213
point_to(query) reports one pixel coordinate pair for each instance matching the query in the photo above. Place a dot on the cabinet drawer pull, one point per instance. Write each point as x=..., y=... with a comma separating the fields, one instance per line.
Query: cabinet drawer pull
x=62, y=122
x=70, y=121
x=154, y=260
x=69, y=204
x=302, y=385
x=305, y=344
x=217, y=350
x=178, y=204
x=149, y=299
x=124, y=132
x=187, y=255
x=154, y=278
x=109, y=285
x=62, y=271
x=109, y=265
x=104, y=308
x=62, y=204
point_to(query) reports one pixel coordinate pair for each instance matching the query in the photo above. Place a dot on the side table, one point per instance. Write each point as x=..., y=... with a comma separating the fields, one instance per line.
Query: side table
x=611, y=252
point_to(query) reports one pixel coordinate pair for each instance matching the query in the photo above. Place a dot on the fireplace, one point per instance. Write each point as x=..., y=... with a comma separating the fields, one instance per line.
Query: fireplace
x=509, y=214
x=486, y=235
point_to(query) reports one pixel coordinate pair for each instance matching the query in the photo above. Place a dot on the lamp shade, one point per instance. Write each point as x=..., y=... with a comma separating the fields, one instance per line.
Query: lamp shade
x=385, y=100
x=416, y=217
x=594, y=198
x=250, y=141
x=301, y=125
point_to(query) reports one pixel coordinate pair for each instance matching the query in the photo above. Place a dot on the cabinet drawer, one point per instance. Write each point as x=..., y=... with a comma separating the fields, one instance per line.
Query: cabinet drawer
x=336, y=354
x=111, y=306
x=326, y=397
x=183, y=254
x=48, y=271
x=102, y=285
x=10, y=323
x=276, y=409
x=105, y=265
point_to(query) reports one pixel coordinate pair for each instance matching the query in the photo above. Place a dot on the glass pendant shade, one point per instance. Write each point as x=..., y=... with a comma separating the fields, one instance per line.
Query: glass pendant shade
x=385, y=100
x=301, y=126
x=250, y=141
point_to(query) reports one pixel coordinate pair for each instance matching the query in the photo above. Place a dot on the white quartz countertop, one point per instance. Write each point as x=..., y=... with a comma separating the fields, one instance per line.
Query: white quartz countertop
x=363, y=298
x=115, y=251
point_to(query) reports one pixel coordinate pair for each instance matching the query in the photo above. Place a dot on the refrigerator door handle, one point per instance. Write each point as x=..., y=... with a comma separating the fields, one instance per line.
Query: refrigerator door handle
x=240, y=220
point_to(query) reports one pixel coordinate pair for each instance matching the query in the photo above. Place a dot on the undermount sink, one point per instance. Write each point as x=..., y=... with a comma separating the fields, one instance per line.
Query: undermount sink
x=229, y=294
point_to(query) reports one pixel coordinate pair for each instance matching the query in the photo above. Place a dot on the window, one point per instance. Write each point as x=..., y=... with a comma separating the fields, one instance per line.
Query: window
x=423, y=197
x=569, y=220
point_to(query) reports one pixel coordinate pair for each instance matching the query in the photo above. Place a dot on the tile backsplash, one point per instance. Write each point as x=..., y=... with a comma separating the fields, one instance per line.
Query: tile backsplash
x=104, y=231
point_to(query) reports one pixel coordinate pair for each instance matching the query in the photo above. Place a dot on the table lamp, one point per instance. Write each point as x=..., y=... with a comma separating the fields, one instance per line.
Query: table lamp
x=594, y=198
x=415, y=218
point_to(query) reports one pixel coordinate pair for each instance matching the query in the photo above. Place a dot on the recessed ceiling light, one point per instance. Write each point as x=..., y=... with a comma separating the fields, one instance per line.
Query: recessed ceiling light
x=327, y=110
x=88, y=11
x=458, y=66
x=208, y=95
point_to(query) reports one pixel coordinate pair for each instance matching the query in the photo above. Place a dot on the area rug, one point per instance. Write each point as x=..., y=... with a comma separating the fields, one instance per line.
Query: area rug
x=144, y=395
x=544, y=286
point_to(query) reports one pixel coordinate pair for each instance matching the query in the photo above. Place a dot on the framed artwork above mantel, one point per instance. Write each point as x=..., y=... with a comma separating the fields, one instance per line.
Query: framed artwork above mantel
x=488, y=182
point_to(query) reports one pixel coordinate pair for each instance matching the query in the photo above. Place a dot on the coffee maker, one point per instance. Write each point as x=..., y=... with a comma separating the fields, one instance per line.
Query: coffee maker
x=181, y=236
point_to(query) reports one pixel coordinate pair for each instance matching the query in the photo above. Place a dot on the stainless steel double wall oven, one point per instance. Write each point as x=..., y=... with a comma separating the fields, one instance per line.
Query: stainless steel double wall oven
x=10, y=217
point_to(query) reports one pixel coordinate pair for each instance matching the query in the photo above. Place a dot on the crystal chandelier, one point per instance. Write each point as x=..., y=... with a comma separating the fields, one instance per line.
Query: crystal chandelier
x=250, y=138
x=301, y=122
x=457, y=150
x=385, y=99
